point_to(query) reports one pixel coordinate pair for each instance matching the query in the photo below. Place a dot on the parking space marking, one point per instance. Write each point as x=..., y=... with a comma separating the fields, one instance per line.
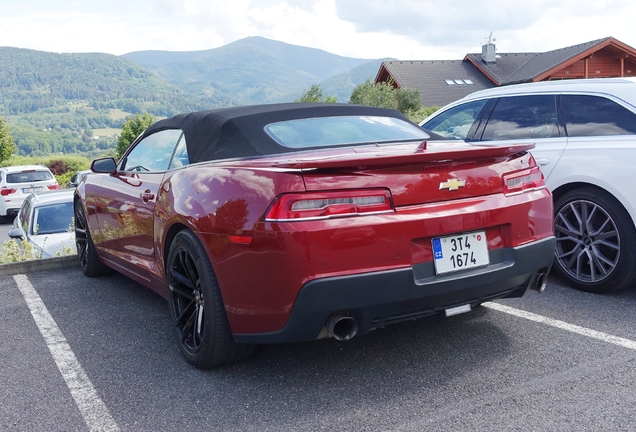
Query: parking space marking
x=91, y=406
x=615, y=340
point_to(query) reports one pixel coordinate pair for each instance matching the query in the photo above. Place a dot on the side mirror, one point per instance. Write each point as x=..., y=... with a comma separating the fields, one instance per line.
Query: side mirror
x=15, y=233
x=104, y=165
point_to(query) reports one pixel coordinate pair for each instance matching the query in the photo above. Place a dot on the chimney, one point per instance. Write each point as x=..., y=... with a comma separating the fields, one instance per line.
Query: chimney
x=488, y=50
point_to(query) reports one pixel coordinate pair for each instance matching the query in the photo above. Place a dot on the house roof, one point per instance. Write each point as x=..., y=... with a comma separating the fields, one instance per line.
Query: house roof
x=508, y=68
x=513, y=68
x=429, y=77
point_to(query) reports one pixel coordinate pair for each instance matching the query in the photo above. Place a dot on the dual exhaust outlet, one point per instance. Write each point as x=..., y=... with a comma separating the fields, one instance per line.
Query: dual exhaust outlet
x=344, y=328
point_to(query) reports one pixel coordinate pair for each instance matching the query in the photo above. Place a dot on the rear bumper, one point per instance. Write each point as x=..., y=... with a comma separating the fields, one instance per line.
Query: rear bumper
x=9, y=211
x=381, y=298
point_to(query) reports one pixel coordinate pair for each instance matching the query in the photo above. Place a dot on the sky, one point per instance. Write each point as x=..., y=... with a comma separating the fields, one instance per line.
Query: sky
x=367, y=29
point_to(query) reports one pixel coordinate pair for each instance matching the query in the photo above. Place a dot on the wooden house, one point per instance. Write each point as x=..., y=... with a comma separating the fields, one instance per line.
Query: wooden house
x=443, y=81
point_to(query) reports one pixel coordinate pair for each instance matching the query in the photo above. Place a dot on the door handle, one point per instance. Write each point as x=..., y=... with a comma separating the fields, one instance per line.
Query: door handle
x=147, y=195
x=542, y=161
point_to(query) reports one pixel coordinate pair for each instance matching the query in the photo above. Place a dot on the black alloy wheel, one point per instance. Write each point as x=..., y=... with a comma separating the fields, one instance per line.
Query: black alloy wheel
x=196, y=307
x=86, y=252
x=596, y=241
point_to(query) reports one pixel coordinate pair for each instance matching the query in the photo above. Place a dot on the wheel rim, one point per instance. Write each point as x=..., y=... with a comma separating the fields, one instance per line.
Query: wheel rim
x=187, y=300
x=81, y=235
x=588, y=241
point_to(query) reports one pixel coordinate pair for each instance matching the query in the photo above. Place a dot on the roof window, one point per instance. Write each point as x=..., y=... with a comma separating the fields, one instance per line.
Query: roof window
x=459, y=82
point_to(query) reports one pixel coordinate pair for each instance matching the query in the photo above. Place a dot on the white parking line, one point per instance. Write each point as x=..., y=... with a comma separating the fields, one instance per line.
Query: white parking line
x=92, y=408
x=626, y=343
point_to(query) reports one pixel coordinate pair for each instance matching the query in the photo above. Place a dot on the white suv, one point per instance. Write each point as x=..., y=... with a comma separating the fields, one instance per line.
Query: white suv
x=585, y=136
x=17, y=182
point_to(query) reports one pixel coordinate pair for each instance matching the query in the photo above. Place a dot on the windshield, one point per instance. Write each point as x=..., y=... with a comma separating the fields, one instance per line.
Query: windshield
x=343, y=130
x=53, y=218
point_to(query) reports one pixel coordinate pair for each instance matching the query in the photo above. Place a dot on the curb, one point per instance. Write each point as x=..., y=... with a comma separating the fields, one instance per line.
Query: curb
x=11, y=269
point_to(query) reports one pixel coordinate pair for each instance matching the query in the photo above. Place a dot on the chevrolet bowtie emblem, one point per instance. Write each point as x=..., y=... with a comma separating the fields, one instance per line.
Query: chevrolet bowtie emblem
x=452, y=184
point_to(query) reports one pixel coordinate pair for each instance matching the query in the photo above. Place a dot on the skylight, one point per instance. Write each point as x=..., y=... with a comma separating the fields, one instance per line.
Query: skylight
x=459, y=82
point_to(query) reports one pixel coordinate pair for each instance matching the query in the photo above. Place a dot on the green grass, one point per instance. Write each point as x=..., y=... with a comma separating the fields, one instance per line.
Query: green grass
x=106, y=132
x=117, y=114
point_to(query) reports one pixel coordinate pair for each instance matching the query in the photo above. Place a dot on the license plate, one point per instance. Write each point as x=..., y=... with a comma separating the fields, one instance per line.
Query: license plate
x=32, y=189
x=460, y=252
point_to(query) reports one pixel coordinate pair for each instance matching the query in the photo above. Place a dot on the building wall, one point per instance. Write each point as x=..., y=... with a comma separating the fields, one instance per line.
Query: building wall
x=601, y=64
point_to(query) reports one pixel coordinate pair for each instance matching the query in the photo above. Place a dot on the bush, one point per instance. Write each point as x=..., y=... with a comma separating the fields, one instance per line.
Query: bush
x=12, y=251
x=416, y=116
x=58, y=167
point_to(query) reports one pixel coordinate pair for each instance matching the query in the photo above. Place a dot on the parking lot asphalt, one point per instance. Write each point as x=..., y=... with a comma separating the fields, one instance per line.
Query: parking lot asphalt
x=506, y=366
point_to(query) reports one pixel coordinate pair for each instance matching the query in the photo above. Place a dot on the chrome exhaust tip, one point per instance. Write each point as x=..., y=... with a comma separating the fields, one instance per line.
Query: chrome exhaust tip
x=540, y=282
x=342, y=328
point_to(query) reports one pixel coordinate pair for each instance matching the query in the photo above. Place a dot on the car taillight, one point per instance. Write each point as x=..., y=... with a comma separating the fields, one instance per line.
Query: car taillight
x=326, y=205
x=54, y=187
x=6, y=191
x=523, y=181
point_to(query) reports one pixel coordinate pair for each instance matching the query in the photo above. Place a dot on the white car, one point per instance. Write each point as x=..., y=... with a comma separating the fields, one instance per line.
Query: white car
x=17, y=182
x=46, y=222
x=585, y=137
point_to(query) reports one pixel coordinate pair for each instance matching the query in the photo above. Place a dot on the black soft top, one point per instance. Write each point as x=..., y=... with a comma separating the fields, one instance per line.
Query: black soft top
x=240, y=131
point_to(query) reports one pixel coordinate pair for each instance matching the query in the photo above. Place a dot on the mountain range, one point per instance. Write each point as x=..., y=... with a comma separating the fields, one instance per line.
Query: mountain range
x=257, y=70
x=72, y=95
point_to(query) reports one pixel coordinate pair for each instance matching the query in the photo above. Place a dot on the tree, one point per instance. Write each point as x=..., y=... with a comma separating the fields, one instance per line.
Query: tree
x=314, y=94
x=7, y=143
x=408, y=99
x=131, y=129
x=379, y=95
x=384, y=95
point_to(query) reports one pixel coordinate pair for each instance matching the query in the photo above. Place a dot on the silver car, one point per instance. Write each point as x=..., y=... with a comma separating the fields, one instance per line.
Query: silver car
x=585, y=137
x=45, y=220
x=77, y=178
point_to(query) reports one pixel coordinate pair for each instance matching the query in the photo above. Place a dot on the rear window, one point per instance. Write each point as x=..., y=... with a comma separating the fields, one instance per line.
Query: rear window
x=29, y=176
x=343, y=130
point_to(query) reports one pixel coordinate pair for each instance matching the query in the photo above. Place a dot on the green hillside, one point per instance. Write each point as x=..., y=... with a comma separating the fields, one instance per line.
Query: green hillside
x=249, y=71
x=53, y=101
x=32, y=80
x=76, y=103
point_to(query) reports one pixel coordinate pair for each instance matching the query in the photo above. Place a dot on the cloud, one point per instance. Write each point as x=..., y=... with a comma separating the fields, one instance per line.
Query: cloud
x=436, y=22
x=463, y=26
x=403, y=29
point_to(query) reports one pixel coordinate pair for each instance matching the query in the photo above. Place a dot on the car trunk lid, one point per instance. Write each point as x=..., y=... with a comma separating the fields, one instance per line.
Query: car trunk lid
x=414, y=174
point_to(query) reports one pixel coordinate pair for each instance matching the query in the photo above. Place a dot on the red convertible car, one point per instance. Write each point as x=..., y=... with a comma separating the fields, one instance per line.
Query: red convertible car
x=294, y=222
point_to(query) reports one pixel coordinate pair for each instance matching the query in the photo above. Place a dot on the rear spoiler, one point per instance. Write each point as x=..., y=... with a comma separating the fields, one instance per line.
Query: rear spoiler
x=422, y=154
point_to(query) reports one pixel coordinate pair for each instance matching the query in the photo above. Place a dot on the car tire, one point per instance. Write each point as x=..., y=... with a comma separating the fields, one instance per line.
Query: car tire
x=596, y=241
x=196, y=307
x=86, y=252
